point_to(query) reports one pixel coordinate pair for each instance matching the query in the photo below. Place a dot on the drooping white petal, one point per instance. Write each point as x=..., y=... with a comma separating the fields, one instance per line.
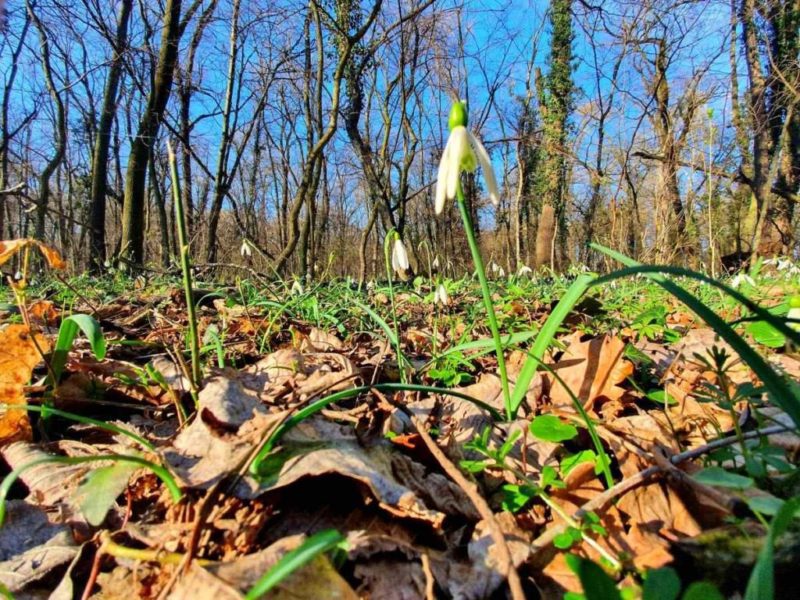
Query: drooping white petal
x=441, y=296
x=488, y=171
x=399, y=257
x=741, y=278
x=441, y=179
x=458, y=144
x=297, y=288
x=245, y=249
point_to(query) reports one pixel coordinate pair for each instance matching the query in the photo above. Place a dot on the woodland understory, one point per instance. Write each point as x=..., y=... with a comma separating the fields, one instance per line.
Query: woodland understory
x=425, y=299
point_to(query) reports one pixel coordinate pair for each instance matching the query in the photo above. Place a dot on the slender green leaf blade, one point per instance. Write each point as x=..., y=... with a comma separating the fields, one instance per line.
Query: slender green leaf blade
x=297, y=558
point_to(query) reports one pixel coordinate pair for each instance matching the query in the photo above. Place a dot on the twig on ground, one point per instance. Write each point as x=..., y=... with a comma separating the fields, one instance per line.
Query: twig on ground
x=598, y=502
x=478, y=501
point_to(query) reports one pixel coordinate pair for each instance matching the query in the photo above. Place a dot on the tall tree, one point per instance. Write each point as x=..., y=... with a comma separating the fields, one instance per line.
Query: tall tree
x=60, y=144
x=97, y=199
x=133, y=208
x=555, y=100
x=6, y=133
x=770, y=42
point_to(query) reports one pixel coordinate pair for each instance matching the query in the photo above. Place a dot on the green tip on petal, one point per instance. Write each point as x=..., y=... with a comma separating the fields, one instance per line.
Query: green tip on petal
x=458, y=115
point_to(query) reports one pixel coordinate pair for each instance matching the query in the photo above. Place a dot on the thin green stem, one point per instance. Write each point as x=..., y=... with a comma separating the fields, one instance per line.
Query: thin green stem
x=81, y=419
x=180, y=222
x=387, y=250
x=575, y=525
x=487, y=299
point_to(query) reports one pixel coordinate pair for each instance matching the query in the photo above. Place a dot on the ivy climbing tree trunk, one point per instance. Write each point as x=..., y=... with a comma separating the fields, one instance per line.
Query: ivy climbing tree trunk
x=555, y=100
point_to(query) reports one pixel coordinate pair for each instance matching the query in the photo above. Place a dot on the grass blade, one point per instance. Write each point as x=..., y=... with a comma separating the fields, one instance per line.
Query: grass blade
x=295, y=559
x=546, y=336
x=784, y=394
x=66, y=336
x=764, y=315
x=318, y=405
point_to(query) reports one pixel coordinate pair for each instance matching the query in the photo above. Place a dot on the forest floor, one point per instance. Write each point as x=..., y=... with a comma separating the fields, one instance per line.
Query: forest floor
x=643, y=443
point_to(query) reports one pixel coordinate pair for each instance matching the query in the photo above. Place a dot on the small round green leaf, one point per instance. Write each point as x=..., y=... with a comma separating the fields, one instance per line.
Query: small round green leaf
x=552, y=429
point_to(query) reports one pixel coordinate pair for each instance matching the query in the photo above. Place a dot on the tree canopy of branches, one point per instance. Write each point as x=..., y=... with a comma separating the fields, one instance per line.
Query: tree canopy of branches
x=310, y=128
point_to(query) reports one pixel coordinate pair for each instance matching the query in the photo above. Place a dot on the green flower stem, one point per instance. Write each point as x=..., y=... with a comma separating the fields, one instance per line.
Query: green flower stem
x=180, y=225
x=575, y=525
x=387, y=254
x=487, y=298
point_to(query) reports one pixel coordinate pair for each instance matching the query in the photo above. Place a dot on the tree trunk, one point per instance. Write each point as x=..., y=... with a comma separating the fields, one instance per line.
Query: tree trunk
x=97, y=200
x=60, y=124
x=135, y=178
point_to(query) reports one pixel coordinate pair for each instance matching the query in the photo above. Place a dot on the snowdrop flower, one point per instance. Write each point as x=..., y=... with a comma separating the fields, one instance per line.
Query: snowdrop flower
x=399, y=257
x=463, y=152
x=245, y=250
x=297, y=288
x=435, y=264
x=497, y=270
x=441, y=296
x=784, y=265
x=18, y=276
x=742, y=278
x=524, y=270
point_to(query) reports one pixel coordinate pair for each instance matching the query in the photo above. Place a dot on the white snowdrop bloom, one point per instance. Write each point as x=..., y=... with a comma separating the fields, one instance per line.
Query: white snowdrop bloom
x=497, y=270
x=784, y=264
x=740, y=279
x=435, y=264
x=400, y=262
x=441, y=296
x=463, y=152
x=524, y=270
x=18, y=276
x=297, y=288
x=245, y=250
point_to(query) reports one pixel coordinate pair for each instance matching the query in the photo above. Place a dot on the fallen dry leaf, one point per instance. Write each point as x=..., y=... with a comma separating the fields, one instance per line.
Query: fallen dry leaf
x=20, y=352
x=9, y=248
x=224, y=581
x=592, y=369
x=31, y=547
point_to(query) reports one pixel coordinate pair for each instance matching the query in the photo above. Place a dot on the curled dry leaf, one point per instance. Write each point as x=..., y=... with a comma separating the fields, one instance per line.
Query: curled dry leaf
x=31, y=547
x=20, y=351
x=592, y=369
x=231, y=421
x=43, y=311
x=9, y=248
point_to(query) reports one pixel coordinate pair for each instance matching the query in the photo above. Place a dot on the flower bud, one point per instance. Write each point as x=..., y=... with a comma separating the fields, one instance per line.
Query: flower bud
x=458, y=115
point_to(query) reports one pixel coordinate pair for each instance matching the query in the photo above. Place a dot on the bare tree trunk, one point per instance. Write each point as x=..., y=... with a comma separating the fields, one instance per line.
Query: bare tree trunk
x=97, y=200
x=60, y=125
x=7, y=135
x=135, y=178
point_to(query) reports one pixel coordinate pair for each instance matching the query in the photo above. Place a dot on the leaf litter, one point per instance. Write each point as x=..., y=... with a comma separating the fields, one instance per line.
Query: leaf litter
x=358, y=466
